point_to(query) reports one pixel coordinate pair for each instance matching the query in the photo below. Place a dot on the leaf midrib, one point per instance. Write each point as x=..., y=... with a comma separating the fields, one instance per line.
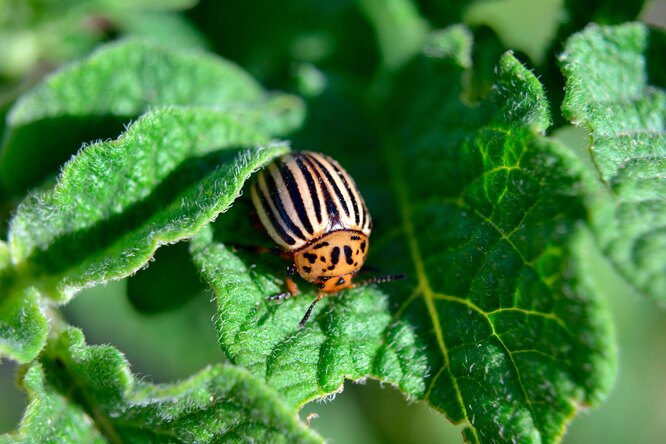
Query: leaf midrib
x=429, y=295
x=404, y=207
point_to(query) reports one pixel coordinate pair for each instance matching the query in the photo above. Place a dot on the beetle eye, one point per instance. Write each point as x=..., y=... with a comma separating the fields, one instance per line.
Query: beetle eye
x=340, y=281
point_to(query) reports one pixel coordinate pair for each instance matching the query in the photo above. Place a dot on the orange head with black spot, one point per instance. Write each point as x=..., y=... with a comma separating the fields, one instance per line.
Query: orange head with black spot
x=331, y=261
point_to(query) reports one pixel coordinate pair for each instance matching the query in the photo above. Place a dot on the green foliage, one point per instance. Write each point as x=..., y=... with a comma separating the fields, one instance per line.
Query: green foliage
x=92, y=228
x=457, y=335
x=23, y=325
x=126, y=80
x=609, y=94
x=81, y=393
x=498, y=324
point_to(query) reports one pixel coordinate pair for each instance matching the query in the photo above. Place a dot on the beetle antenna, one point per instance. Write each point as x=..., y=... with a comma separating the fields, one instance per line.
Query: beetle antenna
x=380, y=280
x=307, y=313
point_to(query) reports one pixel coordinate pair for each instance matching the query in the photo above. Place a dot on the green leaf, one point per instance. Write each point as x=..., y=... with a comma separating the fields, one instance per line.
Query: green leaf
x=50, y=417
x=494, y=326
x=116, y=202
x=609, y=95
x=23, y=325
x=94, y=98
x=89, y=392
x=574, y=16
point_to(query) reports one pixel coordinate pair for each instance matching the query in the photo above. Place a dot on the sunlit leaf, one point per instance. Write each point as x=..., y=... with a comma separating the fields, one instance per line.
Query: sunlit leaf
x=86, y=393
x=494, y=326
x=609, y=94
x=116, y=202
x=96, y=97
x=23, y=325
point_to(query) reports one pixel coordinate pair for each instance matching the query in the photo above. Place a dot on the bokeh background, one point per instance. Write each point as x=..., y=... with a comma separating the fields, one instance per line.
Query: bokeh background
x=162, y=344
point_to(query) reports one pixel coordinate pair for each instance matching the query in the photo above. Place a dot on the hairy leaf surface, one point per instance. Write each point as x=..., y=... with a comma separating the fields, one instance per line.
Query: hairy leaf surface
x=81, y=393
x=94, y=98
x=23, y=325
x=116, y=202
x=609, y=94
x=50, y=417
x=493, y=326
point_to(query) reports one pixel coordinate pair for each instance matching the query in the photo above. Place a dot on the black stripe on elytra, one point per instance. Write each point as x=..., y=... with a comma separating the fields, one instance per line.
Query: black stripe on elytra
x=296, y=197
x=335, y=255
x=321, y=245
x=331, y=208
x=349, y=255
x=271, y=216
x=311, y=187
x=277, y=201
x=334, y=186
x=357, y=214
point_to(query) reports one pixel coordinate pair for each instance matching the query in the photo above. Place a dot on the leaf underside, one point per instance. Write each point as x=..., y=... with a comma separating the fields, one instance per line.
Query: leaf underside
x=609, y=95
x=488, y=326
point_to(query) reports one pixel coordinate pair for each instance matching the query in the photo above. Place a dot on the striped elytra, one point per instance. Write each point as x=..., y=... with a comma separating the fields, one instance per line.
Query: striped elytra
x=313, y=210
x=303, y=195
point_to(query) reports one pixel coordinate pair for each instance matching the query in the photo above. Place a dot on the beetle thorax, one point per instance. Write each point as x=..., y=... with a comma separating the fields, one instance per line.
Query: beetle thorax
x=335, y=254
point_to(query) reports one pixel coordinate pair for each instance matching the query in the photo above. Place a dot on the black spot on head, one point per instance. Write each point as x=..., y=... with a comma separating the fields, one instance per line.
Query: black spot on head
x=363, y=245
x=341, y=281
x=355, y=238
x=335, y=255
x=307, y=269
x=320, y=245
x=312, y=258
x=348, y=255
x=331, y=267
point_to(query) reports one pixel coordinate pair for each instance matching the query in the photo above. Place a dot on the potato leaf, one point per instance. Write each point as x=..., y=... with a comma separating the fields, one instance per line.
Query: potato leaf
x=94, y=98
x=494, y=326
x=609, y=94
x=81, y=393
x=116, y=202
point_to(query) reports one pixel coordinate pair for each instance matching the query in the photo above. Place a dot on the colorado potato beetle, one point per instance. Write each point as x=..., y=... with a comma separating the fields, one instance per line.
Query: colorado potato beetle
x=312, y=209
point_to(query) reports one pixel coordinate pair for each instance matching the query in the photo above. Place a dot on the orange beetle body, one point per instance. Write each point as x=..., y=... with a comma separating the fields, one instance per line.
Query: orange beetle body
x=312, y=209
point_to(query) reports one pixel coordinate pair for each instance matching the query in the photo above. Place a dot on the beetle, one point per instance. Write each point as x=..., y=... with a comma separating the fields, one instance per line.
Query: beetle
x=313, y=211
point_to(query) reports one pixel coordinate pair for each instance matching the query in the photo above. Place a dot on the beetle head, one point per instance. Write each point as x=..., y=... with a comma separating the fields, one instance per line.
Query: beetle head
x=332, y=260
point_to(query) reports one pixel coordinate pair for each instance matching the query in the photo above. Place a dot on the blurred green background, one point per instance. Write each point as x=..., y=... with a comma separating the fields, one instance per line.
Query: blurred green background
x=37, y=36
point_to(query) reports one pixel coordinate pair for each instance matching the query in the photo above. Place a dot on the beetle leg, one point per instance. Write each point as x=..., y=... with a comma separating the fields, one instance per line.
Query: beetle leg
x=292, y=288
x=307, y=313
x=379, y=280
x=291, y=285
x=280, y=296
